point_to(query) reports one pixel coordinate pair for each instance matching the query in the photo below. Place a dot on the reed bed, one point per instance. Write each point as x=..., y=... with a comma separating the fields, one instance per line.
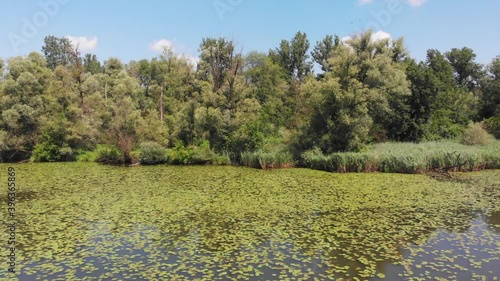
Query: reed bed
x=408, y=158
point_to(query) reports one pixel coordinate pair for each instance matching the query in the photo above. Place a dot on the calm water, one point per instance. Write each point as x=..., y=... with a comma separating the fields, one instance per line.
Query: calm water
x=85, y=221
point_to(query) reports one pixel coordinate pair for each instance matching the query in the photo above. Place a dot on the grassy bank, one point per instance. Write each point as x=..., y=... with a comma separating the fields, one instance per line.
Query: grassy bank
x=408, y=158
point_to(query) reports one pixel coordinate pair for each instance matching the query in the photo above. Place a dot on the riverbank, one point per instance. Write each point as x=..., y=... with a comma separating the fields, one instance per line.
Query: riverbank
x=405, y=158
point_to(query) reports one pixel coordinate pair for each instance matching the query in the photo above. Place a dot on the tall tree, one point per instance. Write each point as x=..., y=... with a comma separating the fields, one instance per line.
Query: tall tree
x=453, y=105
x=91, y=64
x=467, y=71
x=293, y=56
x=23, y=103
x=57, y=51
x=218, y=59
x=491, y=90
x=323, y=51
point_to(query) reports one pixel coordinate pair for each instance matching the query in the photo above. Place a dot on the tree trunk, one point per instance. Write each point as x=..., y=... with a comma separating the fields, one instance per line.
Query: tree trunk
x=161, y=104
x=106, y=90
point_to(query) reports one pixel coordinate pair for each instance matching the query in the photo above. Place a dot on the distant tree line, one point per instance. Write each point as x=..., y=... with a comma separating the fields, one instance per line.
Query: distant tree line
x=60, y=103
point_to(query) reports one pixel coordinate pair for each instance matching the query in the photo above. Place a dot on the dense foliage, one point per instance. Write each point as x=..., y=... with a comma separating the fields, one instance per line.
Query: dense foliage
x=61, y=105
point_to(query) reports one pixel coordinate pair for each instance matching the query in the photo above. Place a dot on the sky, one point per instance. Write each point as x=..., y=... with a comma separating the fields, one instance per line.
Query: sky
x=134, y=30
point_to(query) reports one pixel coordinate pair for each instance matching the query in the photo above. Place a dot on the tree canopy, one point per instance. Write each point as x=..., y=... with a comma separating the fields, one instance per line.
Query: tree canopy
x=59, y=103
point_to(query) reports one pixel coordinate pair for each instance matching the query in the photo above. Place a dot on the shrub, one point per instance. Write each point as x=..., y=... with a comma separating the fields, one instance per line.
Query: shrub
x=180, y=155
x=202, y=155
x=358, y=162
x=67, y=154
x=492, y=125
x=50, y=152
x=475, y=134
x=108, y=154
x=86, y=156
x=46, y=152
x=151, y=153
x=196, y=155
x=249, y=159
x=315, y=159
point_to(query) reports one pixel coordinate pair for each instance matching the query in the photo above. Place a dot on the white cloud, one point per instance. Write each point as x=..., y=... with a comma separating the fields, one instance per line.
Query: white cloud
x=159, y=45
x=380, y=35
x=413, y=3
x=363, y=2
x=345, y=39
x=416, y=3
x=191, y=59
x=84, y=44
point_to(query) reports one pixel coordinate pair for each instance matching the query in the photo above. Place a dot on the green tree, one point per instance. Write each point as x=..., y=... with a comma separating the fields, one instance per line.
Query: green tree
x=23, y=103
x=371, y=62
x=467, y=71
x=91, y=64
x=265, y=82
x=293, y=56
x=218, y=59
x=323, y=51
x=57, y=51
x=453, y=106
x=491, y=90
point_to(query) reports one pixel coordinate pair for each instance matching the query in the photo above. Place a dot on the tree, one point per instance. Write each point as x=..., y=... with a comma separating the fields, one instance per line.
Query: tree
x=371, y=62
x=419, y=103
x=491, y=90
x=467, y=71
x=265, y=82
x=218, y=60
x=293, y=57
x=91, y=64
x=123, y=130
x=57, y=51
x=340, y=121
x=323, y=51
x=23, y=104
x=453, y=105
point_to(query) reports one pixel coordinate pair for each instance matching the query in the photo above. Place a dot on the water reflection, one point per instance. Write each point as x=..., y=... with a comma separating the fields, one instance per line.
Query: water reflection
x=322, y=245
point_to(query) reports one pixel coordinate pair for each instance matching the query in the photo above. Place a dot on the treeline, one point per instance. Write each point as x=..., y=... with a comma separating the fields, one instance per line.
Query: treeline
x=61, y=105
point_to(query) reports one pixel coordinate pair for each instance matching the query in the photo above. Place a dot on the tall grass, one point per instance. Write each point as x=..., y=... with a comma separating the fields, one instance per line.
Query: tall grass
x=408, y=158
x=267, y=160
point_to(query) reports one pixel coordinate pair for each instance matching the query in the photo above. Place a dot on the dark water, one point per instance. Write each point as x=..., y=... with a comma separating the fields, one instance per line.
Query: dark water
x=470, y=253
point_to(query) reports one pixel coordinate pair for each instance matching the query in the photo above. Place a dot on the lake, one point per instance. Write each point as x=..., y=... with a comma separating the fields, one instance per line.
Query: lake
x=87, y=221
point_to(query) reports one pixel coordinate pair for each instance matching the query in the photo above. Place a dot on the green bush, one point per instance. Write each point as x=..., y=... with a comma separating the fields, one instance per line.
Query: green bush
x=196, y=155
x=50, y=152
x=108, y=154
x=86, y=156
x=475, y=134
x=180, y=155
x=151, y=153
x=315, y=159
x=492, y=125
x=46, y=152
x=249, y=159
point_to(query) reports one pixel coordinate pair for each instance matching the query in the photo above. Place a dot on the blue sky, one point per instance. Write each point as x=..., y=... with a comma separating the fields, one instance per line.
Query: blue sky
x=132, y=30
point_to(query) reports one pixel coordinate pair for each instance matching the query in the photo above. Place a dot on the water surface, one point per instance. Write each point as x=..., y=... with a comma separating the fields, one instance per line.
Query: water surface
x=86, y=221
